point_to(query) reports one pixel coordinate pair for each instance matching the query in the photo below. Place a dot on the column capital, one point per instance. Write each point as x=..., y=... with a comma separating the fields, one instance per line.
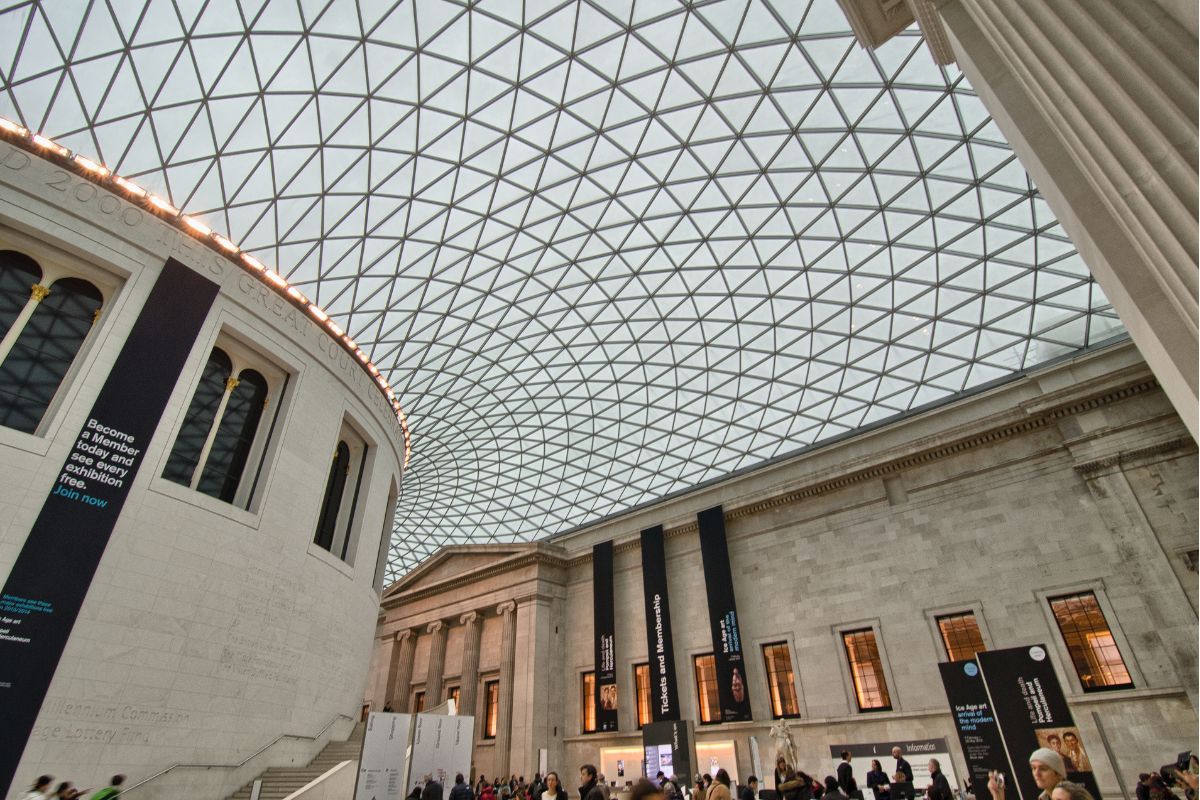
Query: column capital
x=404, y=635
x=469, y=618
x=435, y=626
x=507, y=607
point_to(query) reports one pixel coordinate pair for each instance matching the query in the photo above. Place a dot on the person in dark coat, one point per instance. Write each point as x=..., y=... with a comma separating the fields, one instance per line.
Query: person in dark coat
x=877, y=780
x=902, y=765
x=432, y=790
x=939, y=787
x=589, y=788
x=460, y=790
x=750, y=790
x=845, y=776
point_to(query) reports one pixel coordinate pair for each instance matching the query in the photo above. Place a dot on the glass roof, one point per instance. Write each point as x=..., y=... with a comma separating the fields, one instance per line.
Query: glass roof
x=604, y=250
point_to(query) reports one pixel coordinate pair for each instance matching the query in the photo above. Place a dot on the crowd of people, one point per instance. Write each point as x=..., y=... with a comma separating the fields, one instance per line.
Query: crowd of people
x=44, y=788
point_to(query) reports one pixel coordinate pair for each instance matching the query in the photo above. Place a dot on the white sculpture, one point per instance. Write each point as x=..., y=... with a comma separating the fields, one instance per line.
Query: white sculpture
x=785, y=747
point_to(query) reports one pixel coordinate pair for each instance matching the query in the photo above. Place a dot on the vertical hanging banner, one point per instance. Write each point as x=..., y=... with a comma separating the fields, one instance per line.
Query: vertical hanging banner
x=51, y=576
x=1031, y=712
x=664, y=691
x=604, y=626
x=722, y=617
x=975, y=723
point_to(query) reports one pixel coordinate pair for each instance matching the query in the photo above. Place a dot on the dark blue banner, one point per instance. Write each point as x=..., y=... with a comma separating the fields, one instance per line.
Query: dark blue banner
x=732, y=690
x=664, y=691
x=604, y=625
x=50, y=579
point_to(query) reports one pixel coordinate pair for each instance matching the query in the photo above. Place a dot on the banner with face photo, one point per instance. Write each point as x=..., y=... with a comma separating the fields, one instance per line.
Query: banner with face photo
x=1031, y=712
x=604, y=625
x=732, y=690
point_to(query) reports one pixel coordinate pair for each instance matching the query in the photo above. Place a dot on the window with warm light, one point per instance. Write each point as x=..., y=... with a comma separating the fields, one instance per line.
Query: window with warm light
x=708, y=699
x=491, y=698
x=781, y=681
x=960, y=635
x=1094, y=652
x=866, y=670
x=221, y=446
x=336, y=521
x=641, y=686
x=587, y=702
x=44, y=321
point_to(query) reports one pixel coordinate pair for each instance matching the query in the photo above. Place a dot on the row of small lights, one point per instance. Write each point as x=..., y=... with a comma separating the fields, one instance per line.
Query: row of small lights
x=101, y=175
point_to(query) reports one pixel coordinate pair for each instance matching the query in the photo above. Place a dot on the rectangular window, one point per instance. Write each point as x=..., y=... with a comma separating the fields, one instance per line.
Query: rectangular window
x=587, y=702
x=707, y=699
x=418, y=702
x=866, y=670
x=641, y=685
x=491, y=694
x=1093, y=650
x=453, y=693
x=781, y=680
x=960, y=636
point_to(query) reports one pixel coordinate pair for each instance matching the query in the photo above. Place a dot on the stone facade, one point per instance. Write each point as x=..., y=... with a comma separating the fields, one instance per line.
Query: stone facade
x=210, y=631
x=1077, y=476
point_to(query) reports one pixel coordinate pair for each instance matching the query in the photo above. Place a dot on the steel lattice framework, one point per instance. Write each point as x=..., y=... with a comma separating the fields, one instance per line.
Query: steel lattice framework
x=604, y=250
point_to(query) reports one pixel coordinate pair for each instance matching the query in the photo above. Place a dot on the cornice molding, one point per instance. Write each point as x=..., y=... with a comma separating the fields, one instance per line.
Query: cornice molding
x=532, y=558
x=1035, y=414
x=1124, y=457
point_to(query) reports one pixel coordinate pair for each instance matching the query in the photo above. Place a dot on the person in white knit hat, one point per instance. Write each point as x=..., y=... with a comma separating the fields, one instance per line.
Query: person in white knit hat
x=1048, y=769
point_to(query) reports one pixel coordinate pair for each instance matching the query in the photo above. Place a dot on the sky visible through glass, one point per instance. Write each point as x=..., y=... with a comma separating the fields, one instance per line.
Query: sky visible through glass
x=604, y=251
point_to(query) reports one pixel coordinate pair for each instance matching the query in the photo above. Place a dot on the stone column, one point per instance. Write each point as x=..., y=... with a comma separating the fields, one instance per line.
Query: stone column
x=385, y=662
x=1098, y=100
x=508, y=653
x=437, y=663
x=470, y=662
x=402, y=661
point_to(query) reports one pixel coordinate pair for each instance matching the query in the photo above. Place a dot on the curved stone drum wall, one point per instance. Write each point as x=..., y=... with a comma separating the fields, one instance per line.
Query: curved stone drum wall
x=220, y=620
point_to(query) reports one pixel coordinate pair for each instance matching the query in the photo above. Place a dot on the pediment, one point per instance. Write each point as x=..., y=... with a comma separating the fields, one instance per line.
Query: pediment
x=456, y=561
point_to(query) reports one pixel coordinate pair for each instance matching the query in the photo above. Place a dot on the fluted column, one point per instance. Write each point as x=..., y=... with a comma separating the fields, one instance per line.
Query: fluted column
x=508, y=654
x=437, y=663
x=402, y=665
x=472, y=635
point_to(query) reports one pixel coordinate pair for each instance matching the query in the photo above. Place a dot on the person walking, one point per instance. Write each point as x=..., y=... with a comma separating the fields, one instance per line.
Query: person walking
x=833, y=789
x=720, y=789
x=554, y=789
x=589, y=788
x=750, y=790
x=460, y=790
x=112, y=790
x=1048, y=770
x=40, y=789
x=432, y=789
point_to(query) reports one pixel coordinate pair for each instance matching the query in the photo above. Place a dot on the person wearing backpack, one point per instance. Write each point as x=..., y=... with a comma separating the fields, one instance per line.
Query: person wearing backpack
x=112, y=790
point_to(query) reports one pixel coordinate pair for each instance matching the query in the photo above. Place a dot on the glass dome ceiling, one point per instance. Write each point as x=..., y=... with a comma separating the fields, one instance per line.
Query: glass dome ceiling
x=604, y=250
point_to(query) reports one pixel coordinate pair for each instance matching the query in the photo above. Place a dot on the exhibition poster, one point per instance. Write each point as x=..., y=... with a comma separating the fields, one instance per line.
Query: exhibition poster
x=732, y=689
x=669, y=746
x=604, y=625
x=976, y=724
x=1031, y=712
x=383, y=758
x=52, y=574
x=664, y=692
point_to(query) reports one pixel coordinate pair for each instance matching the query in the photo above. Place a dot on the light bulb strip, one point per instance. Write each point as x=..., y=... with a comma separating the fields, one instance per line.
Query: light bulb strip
x=100, y=175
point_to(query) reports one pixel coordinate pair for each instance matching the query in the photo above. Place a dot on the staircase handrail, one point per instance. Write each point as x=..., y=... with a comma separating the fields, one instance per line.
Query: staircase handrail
x=245, y=760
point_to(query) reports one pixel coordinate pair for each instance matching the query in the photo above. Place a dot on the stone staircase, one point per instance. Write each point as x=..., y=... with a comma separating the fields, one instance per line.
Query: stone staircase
x=279, y=782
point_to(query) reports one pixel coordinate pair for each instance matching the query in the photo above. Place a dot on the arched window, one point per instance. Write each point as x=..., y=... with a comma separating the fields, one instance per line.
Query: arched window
x=198, y=422
x=335, y=488
x=41, y=338
x=219, y=430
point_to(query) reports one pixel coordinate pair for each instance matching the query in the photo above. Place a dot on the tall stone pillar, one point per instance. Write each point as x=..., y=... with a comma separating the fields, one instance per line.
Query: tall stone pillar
x=437, y=663
x=508, y=654
x=472, y=635
x=388, y=648
x=402, y=656
x=1098, y=100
